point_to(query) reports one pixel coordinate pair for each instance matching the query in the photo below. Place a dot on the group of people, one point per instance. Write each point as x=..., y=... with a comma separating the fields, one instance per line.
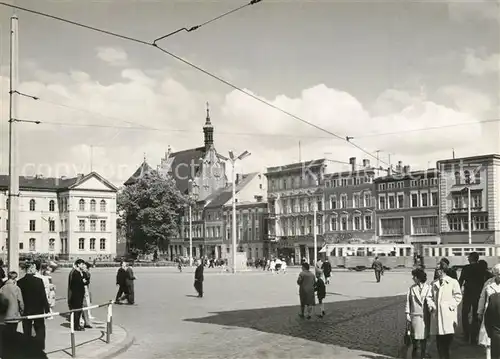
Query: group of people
x=312, y=285
x=125, y=278
x=432, y=308
x=79, y=294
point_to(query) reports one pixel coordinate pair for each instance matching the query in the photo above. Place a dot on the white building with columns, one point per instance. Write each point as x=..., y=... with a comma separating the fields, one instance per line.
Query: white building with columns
x=65, y=217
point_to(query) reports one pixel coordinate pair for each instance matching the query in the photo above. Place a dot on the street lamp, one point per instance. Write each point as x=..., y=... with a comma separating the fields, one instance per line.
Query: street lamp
x=469, y=219
x=233, y=160
x=192, y=198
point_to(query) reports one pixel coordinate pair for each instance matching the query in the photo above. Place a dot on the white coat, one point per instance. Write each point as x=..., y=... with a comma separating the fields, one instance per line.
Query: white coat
x=416, y=308
x=443, y=301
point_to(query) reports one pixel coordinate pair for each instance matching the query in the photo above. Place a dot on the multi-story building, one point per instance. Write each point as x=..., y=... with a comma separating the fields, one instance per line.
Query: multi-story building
x=478, y=177
x=407, y=206
x=294, y=192
x=349, y=204
x=65, y=217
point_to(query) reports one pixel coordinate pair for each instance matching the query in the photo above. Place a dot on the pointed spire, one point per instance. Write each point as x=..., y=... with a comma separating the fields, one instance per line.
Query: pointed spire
x=145, y=160
x=208, y=123
x=208, y=130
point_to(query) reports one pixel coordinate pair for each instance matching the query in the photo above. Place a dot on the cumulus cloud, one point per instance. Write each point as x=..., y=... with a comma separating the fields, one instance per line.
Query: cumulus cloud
x=141, y=115
x=474, y=9
x=112, y=55
x=481, y=64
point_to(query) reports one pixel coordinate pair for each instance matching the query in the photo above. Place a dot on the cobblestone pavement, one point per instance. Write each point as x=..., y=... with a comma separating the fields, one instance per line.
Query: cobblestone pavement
x=254, y=315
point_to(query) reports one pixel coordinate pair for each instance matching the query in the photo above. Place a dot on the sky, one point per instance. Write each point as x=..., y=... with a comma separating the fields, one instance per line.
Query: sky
x=415, y=81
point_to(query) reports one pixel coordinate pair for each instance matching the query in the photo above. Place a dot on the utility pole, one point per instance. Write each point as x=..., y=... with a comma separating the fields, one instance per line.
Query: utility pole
x=378, y=162
x=91, y=158
x=469, y=215
x=300, y=153
x=315, y=231
x=13, y=230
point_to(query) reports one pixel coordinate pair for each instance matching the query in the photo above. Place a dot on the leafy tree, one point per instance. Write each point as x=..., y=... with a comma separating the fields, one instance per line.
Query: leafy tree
x=151, y=209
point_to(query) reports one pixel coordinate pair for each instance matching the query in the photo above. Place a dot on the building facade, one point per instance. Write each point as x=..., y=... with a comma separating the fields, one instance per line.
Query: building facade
x=65, y=217
x=408, y=206
x=349, y=205
x=481, y=176
x=294, y=192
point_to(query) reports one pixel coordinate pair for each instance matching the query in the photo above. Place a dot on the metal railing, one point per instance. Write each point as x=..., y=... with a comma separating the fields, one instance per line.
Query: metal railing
x=109, y=321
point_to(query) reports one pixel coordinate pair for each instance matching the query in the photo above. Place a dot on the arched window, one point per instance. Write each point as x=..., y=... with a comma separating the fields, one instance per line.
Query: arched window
x=102, y=244
x=92, y=244
x=92, y=205
x=52, y=205
x=81, y=244
x=457, y=178
x=467, y=177
x=103, y=206
x=32, y=244
x=52, y=244
x=81, y=205
x=32, y=205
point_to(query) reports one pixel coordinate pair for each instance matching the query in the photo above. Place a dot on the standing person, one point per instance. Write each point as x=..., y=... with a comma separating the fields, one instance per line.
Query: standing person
x=121, y=282
x=378, y=267
x=35, y=303
x=306, y=281
x=327, y=270
x=77, y=288
x=12, y=292
x=87, y=322
x=443, y=300
x=417, y=312
x=198, y=278
x=320, y=289
x=3, y=276
x=444, y=264
x=472, y=281
x=491, y=287
x=129, y=282
x=39, y=274
x=46, y=272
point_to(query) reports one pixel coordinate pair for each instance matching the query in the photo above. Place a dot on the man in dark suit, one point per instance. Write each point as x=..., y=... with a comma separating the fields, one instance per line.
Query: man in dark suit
x=198, y=278
x=35, y=303
x=129, y=282
x=77, y=290
x=121, y=282
x=378, y=267
x=472, y=281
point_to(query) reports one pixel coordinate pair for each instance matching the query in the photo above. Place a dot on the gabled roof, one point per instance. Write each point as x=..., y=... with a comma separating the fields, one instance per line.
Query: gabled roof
x=140, y=172
x=185, y=165
x=82, y=179
x=221, y=197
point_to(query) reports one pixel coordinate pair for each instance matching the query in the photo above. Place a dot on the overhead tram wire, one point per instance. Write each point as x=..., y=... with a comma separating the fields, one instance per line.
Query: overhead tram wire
x=347, y=139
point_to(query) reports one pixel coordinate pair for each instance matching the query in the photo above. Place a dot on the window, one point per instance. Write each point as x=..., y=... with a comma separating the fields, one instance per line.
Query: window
x=381, y=187
x=414, y=200
x=333, y=202
x=477, y=177
x=93, y=225
x=343, y=224
x=368, y=222
x=467, y=177
x=81, y=225
x=32, y=225
x=368, y=200
x=413, y=183
x=355, y=200
x=391, y=226
x=457, y=177
x=424, y=199
x=401, y=200
x=357, y=223
x=81, y=244
x=434, y=198
x=92, y=244
x=21, y=246
x=333, y=225
x=343, y=201
x=52, y=244
x=52, y=225
x=81, y=205
x=457, y=202
x=455, y=224
x=424, y=225
x=102, y=244
x=32, y=205
x=392, y=201
x=480, y=223
x=52, y=205
x=103, y=225
x=92, y=205
x=476, y=201
x=32, y=244
x=381, y=202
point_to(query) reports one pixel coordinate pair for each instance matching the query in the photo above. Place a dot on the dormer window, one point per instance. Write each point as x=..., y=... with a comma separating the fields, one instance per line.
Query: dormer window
x=467, y=177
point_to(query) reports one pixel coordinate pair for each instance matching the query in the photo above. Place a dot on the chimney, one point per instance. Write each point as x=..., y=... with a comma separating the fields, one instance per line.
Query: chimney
x=237, y=178
x=389, y=171
x=352, y=162
x=406, y=169
x=80, y=175
x=366, y=163
x=39, y=176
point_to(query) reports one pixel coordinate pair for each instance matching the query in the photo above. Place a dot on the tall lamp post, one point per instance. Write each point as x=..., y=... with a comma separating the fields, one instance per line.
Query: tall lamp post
x=192, y=199
x=469, y=215
x=232, y=158
x=315, y=231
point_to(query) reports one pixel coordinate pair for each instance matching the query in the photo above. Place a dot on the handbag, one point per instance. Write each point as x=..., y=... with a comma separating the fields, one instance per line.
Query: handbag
x=408, y=340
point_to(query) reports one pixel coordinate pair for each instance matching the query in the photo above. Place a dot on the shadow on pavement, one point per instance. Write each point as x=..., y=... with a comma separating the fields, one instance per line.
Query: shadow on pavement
x=374, y=325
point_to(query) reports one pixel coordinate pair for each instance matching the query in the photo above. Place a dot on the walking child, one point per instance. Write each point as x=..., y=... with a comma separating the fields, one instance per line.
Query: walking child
x=320, y=289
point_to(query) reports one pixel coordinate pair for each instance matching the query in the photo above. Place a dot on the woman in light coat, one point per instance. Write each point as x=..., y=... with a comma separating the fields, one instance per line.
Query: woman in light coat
x=443, y=300
x=491, y=287
x=417, y=314
x=13, y=294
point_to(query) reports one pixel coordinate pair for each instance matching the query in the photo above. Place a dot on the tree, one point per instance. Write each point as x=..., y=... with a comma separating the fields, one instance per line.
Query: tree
x=151, y=209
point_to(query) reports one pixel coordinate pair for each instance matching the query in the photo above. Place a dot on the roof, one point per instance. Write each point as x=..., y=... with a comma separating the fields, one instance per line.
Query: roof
x=370, y=172
x=184, y=166
x=414, y=175
x=222, y=196
x=52, y=184
x=296, y=166
x=140, y=172
x=469, y=159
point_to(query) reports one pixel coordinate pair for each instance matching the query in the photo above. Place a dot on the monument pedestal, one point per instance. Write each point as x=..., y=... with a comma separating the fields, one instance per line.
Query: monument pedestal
x=241, y=262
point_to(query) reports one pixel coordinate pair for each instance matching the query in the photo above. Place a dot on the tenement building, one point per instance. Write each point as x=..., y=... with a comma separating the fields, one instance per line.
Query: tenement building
x=473, y=180
x=349, y=205
x=407, y=207
x=68, y=218
x=294, y=194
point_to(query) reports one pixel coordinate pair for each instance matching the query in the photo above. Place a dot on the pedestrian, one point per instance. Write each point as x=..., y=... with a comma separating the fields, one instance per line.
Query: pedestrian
x=3, y=275
x=46, y=272
x=77, y=287
x=444, y=264
x=129, y=282
x=121, y=282
x=417, y=313
x=39, y=274
x=13, y=294
x=198, y=279
x=320, y=289
x=306, y=281
x=378, y=267
x=443, y=301
x=35, y=303
x=472, y=281
x=86, y=322
x=327, y=270
x=491, y=287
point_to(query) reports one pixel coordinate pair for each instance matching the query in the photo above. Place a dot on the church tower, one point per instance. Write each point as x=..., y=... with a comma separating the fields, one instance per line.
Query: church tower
x=208, y=131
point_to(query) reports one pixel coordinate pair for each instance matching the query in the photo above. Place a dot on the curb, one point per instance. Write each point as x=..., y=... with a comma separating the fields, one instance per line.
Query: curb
x=123, y=347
